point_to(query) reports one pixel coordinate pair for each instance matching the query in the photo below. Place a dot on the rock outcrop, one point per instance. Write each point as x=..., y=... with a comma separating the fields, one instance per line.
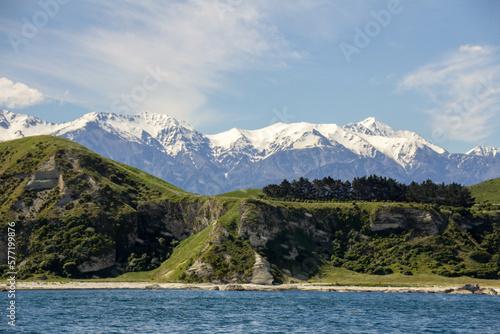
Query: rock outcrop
x=46, y=176
x=180, y=219
x=97, y=263
x=232, y=287
x=474, y=289
x=261, y=271
x=201, y=269
x=407, y=218
x=152, y=287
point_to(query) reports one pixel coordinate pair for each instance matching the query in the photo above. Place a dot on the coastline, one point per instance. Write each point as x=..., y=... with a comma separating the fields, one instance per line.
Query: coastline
x=466, y=289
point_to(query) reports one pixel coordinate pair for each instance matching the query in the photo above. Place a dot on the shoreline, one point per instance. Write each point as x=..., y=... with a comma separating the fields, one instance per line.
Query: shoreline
x=465, y=289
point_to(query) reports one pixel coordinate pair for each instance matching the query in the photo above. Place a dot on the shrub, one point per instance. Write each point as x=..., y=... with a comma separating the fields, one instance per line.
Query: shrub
x=70, y=269
x=382, y=271
x=480, y=256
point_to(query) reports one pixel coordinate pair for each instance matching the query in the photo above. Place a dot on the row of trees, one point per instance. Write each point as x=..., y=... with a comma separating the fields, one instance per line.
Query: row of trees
x=371, y=188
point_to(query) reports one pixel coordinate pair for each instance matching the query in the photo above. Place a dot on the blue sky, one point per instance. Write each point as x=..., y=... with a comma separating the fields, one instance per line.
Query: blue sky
x=432, y=67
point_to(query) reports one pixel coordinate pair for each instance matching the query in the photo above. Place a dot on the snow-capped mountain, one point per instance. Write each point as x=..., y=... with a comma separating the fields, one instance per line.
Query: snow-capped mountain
x=238, y=159
x=485, y=151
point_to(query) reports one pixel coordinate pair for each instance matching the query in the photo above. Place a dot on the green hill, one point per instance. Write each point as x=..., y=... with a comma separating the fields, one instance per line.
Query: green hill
x=487, y=192
x=77, y=212
x=80, y=215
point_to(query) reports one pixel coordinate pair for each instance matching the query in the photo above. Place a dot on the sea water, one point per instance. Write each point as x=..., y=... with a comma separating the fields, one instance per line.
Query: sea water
x=197, y=311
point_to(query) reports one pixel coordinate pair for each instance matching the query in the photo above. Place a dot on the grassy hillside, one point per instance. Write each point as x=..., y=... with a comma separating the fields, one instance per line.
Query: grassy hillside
x=21, y=158
x=244, y=193
x=80, y=215
x=487, y=192
x=77, y=212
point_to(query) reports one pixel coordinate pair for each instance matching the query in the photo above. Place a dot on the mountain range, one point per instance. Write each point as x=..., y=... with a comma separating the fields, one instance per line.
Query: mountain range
x=238, y=159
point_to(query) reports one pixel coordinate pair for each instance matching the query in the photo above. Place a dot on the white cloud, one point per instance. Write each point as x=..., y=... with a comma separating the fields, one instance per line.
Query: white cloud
x=199, y=43
x=93, y=53
x=18, y=95
x=472, y=48
x=464, y=87
x=98, y=51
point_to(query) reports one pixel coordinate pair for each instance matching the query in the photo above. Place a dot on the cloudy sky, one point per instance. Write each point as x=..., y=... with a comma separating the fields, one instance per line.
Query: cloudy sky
x=432, y=67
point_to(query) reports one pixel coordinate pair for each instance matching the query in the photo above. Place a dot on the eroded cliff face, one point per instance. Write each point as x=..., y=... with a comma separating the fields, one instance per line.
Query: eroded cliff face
x=171, y=221
x=422, y=221
x=261, y=272
x=300, y=238
x=46, y=177
x=260, y=223
x=294, y=239
x=179, y=219
x=97, y=263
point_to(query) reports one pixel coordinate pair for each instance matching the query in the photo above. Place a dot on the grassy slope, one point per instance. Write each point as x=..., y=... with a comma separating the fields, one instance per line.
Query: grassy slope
x=244, y=193
x=487, y=192
x=23, y=156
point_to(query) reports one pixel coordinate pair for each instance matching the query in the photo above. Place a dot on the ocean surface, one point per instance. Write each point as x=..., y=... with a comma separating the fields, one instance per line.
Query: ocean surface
x=196, y=311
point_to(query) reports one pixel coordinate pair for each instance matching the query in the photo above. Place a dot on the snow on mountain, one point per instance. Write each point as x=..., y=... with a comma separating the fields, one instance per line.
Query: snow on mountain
x=372, y=127
x=236, y=159
x=364, y=138
x=14, y=126
x=484, y=151
x=402, y=146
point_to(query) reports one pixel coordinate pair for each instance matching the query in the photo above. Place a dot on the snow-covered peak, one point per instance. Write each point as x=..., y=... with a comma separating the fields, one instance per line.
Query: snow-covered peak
x=225, y=139
x=161, y=121
x=365, y=138
x=371, y=126
x=8, y=118
x=484, y=151
x=258, y=139
x=20, y=125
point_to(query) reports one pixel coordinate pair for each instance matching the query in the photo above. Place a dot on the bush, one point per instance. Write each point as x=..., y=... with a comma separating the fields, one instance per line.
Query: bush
x=480, y=256
x=382, y=271
x=487, y=274
x=51, y=263
x=70, y=269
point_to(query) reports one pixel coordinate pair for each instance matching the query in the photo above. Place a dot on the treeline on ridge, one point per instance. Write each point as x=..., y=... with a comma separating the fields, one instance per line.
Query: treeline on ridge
x=371, y=188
